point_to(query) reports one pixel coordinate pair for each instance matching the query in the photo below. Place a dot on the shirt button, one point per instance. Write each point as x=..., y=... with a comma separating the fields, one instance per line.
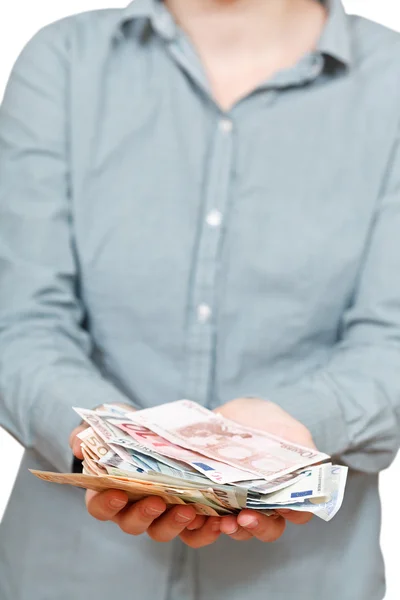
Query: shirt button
x=203, y=313
x=214, y=218
x=225, y=125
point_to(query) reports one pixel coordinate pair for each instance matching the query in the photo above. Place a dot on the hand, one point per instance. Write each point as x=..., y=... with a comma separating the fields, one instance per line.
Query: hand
x=151, y=516
x=246, y=525
x=265, y=415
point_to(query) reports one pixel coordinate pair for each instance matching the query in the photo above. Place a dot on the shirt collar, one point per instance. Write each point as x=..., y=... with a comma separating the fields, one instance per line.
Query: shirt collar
x=154, y=10
x=335, y=40
x=137, y=8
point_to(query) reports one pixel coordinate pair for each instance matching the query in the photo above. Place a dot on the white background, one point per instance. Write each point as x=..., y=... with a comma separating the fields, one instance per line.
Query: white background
x=19, y=20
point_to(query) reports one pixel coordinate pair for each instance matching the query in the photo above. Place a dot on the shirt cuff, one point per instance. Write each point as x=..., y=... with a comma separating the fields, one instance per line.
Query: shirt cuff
x=54, y=419
x=320, y=411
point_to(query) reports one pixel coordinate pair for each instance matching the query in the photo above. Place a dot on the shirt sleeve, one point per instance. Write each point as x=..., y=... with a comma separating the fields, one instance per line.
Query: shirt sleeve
x=45, y=365
x=351, y=405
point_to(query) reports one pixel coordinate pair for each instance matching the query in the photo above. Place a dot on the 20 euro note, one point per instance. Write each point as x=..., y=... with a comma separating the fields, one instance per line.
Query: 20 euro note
x=187, y=424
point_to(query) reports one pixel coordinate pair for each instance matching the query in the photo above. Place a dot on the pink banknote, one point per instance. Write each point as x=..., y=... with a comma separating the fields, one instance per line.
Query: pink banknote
x=189, y=425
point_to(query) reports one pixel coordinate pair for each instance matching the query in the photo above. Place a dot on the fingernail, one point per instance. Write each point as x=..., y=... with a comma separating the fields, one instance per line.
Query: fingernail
x=153, y=512
x=284, y=511
x=232, y=530
x=116, y=503
x=275, y=517
x=182, y=518
x=249, y=522
x=216, y=526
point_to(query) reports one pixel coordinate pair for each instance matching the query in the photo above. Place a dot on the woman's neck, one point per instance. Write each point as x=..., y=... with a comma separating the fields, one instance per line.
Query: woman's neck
x=250, y=24
x=242, y=42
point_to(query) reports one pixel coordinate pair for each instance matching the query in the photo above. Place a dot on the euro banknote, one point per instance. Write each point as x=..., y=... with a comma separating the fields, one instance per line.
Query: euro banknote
x=191, y=426
x=158, y=451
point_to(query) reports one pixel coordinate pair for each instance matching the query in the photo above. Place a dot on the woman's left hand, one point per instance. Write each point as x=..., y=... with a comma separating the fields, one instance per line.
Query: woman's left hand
x=248, y=524
x=258, y=414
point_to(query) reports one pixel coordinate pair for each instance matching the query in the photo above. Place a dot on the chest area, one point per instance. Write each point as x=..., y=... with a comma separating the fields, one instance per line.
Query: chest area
x=284, y=185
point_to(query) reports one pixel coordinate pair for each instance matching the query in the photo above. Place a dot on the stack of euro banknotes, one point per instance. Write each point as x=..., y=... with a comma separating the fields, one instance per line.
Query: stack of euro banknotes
x=187, y=454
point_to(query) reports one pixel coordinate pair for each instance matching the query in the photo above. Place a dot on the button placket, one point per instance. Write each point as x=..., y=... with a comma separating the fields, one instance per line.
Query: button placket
x=201, y=323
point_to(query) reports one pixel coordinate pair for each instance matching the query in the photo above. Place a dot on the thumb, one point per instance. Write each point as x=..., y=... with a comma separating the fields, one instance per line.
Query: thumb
x=75, y=442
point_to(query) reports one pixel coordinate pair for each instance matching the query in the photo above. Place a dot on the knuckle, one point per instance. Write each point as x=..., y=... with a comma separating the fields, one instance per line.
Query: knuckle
x=162, y=531
x=305, y=519
x=159, y=536
x=192, y=539
x=195, y=543
x=296, y=519
x=134, y=521
x=141, y=513
x=189, y=543
x=76, y=446
x=241, y=536
x=277, y=531
x=270, y=532
x=128, y=526
x=128, y=530
x=299, y=518
x=96, y=512
x=94, y=508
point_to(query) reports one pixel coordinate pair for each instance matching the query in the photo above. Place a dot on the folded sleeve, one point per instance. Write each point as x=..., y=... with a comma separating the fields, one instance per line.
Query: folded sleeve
x=45, y=365
x=351, y=405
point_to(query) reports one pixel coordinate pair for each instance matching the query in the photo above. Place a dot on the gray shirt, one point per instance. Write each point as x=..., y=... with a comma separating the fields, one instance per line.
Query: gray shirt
x=153, y=247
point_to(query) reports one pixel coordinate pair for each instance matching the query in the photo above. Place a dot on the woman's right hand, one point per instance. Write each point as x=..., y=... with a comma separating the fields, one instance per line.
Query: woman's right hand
x=149, y=515
x=152, y=516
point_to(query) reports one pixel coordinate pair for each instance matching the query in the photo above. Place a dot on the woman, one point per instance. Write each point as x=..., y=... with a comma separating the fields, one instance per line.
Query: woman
x=200, y=198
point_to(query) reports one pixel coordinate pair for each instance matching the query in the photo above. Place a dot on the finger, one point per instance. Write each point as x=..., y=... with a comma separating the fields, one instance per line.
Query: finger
x=75, y=442
x=138, y=517
x=265, y=529
x=205, y=536
x=241, y=535
x=105, y=505
x=296, y=517
x=230, y=526
x=197, y=523
x=170, y=525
